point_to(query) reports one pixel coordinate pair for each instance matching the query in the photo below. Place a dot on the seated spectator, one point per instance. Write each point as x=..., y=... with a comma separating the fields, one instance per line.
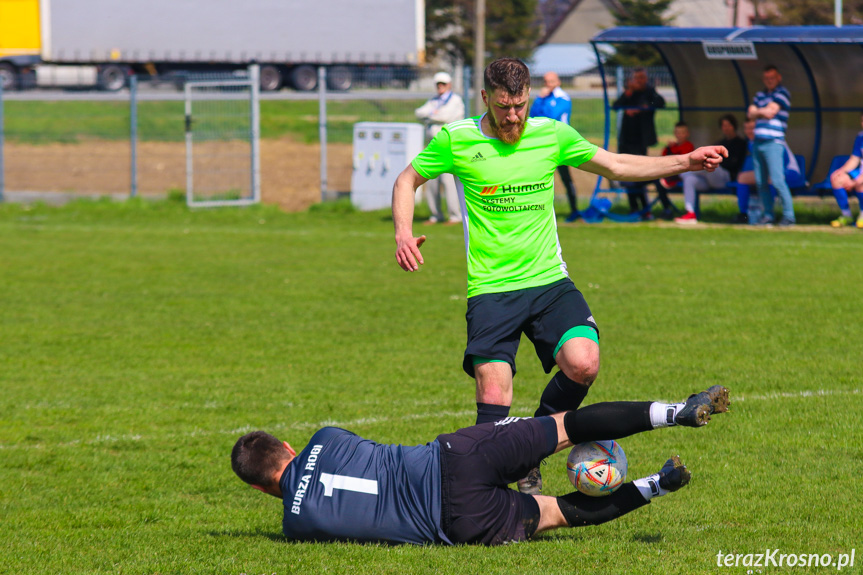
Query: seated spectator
x=846, y=179
x=679, y=145
x=694, y=182
x=749, y=205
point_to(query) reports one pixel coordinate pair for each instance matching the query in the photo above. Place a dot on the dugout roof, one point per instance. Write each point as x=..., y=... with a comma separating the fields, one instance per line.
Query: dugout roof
x=718, y=70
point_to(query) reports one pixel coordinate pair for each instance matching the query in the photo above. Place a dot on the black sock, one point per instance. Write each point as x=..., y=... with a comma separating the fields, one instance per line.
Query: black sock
x=561, y=394
x=608, y=420
x=489, y=413
x=579, y=509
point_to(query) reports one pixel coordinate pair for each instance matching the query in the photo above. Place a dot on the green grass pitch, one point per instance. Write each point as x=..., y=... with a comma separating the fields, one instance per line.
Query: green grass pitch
x=138, y=340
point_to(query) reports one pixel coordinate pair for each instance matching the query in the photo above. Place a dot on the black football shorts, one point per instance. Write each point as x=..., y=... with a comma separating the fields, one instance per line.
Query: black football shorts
x=477, y=465
x=495, y=322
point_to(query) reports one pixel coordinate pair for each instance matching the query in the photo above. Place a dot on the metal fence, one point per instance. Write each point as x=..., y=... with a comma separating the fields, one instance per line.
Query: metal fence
x=61, y=143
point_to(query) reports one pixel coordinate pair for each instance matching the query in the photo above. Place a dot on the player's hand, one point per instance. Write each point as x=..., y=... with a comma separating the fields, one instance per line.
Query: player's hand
x=752, y=112
x=408, y=253
x=707, y=158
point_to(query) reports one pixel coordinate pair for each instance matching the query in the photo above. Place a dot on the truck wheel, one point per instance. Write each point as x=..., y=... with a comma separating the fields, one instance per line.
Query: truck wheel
x=304, y=78
x=8, y=77
x=271, y=78
x=339, y=78
x=112, y=78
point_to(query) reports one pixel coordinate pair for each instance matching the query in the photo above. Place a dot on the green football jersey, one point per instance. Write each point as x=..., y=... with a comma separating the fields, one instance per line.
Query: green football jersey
x=507, y=196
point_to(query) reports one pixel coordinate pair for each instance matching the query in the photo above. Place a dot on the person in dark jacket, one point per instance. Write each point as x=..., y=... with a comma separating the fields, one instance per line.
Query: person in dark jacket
x=638, y=130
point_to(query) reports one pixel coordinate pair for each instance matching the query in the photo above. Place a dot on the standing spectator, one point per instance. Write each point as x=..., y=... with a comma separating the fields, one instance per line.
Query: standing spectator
x=638, y=131
x=770, y=109
x=517, y=280
x=554, y=103
x=849, y=178
x=444, y=108
x=679, y=145
x=750, y=206
x=694, y=182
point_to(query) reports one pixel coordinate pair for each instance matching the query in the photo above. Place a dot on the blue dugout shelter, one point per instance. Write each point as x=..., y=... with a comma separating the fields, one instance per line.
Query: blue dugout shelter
x=718, y=70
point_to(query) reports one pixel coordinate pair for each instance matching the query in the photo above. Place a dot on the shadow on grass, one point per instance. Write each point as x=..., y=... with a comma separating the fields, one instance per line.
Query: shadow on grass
x=647, y=537
x=276, y=537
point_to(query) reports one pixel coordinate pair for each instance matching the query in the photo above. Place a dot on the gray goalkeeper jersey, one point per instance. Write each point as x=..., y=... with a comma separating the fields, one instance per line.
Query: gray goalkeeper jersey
x=342, y=487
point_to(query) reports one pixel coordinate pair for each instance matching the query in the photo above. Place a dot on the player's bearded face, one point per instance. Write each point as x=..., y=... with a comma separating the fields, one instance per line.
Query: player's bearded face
x=508, y=131
x=507, y=115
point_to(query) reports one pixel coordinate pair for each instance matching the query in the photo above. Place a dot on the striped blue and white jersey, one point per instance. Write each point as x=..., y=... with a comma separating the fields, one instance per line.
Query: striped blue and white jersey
x=342, y=487
x=774, y=128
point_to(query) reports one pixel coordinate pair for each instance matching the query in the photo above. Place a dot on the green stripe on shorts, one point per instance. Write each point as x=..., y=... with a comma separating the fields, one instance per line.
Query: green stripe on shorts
x=577, y=331
x=476, y=360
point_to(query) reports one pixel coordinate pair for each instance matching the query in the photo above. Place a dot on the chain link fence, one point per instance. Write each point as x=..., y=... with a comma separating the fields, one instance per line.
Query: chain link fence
x=62, y=143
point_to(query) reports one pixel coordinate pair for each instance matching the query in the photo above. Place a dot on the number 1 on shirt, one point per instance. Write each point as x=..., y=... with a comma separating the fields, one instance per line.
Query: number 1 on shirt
x=347, y=483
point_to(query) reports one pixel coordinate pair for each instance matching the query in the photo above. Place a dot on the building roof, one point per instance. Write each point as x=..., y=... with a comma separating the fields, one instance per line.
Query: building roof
x=584, y=17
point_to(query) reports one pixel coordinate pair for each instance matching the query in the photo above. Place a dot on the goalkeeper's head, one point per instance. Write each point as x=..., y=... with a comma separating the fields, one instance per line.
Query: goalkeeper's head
x=259, y=459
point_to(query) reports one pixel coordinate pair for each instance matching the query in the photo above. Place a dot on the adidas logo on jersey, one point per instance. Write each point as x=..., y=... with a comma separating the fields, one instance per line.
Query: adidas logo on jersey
x=477, y=158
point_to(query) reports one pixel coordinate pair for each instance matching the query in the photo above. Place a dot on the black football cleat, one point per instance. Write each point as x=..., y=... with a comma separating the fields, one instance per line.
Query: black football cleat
x=700, y=406
x=532, y=484
x=673, y=474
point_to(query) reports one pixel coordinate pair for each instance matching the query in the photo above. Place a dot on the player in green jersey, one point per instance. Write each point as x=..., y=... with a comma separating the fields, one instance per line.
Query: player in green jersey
x=504, y=163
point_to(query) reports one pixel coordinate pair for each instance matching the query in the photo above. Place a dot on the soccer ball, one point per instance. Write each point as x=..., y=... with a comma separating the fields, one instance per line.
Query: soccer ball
x=597, y=468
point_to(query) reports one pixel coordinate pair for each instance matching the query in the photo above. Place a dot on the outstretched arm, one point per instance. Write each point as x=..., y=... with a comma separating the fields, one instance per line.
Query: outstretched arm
x=631, y=168
x=407, y=246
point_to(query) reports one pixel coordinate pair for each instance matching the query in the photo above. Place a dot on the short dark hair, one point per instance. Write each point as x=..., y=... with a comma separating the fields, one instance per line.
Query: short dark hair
x=728, y=118
x=681, y=124
x=771, y=67
x=510, y=74
x=256, y=457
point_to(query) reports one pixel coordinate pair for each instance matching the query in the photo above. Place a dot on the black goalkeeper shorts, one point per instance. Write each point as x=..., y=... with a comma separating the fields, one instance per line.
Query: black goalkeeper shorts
x=477, y=465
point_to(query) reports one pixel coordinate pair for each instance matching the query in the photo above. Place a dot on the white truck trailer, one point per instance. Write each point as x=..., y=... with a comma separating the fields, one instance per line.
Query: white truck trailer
x=102, y=42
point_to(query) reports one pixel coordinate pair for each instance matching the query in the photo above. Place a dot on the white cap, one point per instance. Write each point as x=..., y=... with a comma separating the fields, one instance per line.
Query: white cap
x=442, y=78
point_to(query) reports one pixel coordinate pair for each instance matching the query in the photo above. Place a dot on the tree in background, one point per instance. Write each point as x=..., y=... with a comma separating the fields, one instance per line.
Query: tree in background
x=809, y=12
x=640, y=13
x=512, y=28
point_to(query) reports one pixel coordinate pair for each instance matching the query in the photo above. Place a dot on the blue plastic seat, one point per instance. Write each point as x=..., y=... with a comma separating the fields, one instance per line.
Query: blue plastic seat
x=824, y=185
